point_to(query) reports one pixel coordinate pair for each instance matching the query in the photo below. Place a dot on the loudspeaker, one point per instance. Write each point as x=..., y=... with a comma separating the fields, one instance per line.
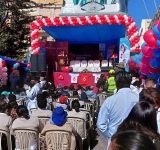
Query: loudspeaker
x=42, y=62
x=34, y=62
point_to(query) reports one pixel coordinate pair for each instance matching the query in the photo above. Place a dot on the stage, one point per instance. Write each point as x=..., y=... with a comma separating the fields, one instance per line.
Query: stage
x=85, y=79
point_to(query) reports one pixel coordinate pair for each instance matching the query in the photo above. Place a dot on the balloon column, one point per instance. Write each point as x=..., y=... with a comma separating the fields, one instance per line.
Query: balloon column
x=149, y=58
x=3, y=72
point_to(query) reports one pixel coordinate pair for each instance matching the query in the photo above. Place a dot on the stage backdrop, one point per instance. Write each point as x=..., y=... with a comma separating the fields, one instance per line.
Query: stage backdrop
x=52, y=51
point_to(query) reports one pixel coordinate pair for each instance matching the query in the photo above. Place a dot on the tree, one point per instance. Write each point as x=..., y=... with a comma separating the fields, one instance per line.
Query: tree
x=15, y=22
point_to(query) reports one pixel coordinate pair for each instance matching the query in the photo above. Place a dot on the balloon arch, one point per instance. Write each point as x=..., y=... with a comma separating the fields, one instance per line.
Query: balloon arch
x=132, y=30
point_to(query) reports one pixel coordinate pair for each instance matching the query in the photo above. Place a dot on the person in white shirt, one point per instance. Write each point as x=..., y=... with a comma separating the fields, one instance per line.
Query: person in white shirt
x=136, y=85
x=33, y=92
x=116, y=107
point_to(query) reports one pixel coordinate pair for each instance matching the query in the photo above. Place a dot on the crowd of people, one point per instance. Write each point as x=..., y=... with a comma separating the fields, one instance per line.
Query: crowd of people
x=129, y=118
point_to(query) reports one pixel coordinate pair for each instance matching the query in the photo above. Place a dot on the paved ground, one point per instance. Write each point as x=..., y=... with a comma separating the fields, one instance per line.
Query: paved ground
x=99, y=142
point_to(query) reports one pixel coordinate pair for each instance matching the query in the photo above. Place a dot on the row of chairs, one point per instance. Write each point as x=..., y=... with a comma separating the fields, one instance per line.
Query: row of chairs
x=92, y=66
x=54, y=135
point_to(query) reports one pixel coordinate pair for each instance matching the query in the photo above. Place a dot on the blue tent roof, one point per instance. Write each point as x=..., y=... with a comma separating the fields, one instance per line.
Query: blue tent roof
x=86, y=34
x=11, y=62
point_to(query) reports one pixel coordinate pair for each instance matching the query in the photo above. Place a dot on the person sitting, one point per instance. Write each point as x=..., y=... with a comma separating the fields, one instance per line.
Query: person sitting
x=142, y=118
x=75, y=95
x=58, y=122
x=84, y=97
x=90, y=93
x=76, y=112
x=12, y=98
x=6, y=123
x=131, y=140
x=14, y=106
x=5, y=94
x=65, y=92
x=42, y=104
x=5, y=118
x=62, y=102
x=25, y=122
x=71, y=87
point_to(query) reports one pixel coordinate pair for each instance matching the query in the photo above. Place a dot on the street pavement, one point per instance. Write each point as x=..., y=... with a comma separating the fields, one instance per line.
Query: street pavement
x=98, y=142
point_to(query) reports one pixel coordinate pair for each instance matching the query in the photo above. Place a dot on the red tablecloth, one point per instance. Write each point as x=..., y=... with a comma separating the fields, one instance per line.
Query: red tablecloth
x=66, y=81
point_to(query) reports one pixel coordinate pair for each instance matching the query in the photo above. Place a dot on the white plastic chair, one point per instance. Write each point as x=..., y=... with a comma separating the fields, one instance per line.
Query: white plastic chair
x=43, y=119
x=55, y=139
x=75, y=122
x=96, y=65
x=102, y=98
x=83, y=65
x=8, y=136
x=24, y=138
x=104, y=63
x=72, y=63
x=90, y=66
x=76, y=66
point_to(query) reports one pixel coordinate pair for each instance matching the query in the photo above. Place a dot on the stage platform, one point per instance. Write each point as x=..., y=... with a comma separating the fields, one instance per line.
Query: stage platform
x=85, y=79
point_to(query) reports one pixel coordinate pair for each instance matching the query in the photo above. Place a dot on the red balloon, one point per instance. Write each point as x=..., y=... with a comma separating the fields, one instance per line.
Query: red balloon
x=28, y=65
x=18, y=64
x=152, y=70
x=144, y=69
x=147, y=51
x=157, y=22
x=159, y=26
x=147, y=34
x=145, y=60
x=12, y=68
x=152, y=42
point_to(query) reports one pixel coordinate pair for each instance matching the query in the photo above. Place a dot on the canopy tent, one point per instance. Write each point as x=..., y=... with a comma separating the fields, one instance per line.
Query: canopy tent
x=100, y=33
x=11, y=61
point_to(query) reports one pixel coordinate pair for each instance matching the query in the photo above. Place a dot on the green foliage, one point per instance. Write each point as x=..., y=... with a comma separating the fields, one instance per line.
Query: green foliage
x=14, y=26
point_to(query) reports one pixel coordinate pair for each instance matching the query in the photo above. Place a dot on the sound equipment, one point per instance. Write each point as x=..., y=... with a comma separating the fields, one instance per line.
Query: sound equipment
x=42, y=62
x=34, y=62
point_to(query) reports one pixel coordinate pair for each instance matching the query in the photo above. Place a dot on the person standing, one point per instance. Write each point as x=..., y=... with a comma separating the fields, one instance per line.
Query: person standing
x=33, y=92
x=14, y=79
x=111, y=84
x=116, y=107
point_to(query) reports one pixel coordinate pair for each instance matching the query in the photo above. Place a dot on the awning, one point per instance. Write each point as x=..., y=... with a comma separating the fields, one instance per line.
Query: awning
x=100, y=33
x=11, y=61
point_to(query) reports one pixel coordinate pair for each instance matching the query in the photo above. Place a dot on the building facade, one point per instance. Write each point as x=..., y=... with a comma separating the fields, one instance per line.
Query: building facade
x=144, y=27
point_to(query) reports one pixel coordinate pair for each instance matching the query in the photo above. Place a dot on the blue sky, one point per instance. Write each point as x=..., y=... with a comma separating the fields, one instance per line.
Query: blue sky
x=137, y=10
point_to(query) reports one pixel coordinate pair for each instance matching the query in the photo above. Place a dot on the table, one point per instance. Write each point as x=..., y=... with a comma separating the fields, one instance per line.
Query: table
x=67, y=79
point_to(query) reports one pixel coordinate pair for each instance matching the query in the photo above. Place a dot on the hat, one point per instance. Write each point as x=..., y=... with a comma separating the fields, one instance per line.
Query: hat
x=58, y=116
x=111, y=71
x=5, y=93
x=63, y=99
x=121, y=65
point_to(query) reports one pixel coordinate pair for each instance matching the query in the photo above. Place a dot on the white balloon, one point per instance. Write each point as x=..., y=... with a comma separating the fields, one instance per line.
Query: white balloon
x=4, y=74
x=5, y=78
x=4, y=69
x=0, y=64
